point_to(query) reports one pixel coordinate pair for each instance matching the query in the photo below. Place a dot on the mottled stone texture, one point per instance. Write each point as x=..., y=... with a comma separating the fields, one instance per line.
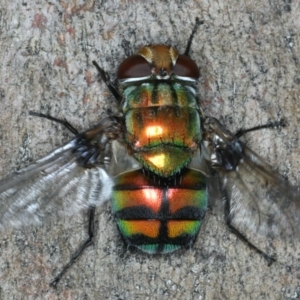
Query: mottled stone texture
x=248, y=52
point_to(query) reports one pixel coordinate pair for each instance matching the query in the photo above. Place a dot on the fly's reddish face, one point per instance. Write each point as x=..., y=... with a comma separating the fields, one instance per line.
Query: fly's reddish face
x=160, y=61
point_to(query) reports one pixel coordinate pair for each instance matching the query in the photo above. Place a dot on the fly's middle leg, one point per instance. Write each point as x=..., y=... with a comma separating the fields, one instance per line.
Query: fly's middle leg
x=276, y=124
x=69, y=126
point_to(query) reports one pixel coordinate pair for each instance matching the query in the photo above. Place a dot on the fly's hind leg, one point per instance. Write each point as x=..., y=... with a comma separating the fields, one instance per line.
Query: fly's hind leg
x=85, y=244
x=226, y=153
x=269, y=258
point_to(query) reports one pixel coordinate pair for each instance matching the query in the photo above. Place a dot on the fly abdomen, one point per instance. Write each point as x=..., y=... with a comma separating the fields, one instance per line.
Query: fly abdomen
x=157, y=218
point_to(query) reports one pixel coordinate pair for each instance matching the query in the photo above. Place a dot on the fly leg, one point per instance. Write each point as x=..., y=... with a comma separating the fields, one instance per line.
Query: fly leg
x=239, y=133
x=105, y=77
x=63, y=122
x=275, y=124
x=270, y=259
x=85, y=244
x=226, y=152
x=188, y=46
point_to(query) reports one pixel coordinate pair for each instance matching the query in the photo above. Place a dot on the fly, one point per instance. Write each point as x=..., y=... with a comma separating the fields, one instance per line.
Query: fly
x=160, y=205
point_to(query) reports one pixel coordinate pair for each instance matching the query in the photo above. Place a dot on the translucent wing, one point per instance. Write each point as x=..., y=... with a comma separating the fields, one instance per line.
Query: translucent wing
x=259, y=199
x=70, y=178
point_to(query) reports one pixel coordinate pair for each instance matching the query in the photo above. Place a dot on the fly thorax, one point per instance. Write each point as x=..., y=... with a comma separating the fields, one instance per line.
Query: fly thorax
x=162, y=125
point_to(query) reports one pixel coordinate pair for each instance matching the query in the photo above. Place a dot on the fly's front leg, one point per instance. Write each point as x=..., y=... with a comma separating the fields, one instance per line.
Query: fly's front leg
x=85, y=244
x=105, y=77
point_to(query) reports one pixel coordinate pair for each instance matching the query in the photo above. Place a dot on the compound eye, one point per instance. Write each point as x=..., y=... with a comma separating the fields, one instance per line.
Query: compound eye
x=186, y=67
x=133, y=67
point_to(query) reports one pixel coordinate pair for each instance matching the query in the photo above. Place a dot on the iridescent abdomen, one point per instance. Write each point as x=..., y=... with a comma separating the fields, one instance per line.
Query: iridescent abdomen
x=162, y=125
x=157, y=218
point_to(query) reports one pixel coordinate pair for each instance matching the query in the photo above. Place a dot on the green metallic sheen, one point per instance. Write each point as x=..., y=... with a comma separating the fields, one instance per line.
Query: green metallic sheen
x=162, y=125
x=158, y=94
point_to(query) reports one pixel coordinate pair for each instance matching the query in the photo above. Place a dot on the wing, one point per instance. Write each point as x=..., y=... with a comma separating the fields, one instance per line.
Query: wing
x=259, y=199
x=67, y=180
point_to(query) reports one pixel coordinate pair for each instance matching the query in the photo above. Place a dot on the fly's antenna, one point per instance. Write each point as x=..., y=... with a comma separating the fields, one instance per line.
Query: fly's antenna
x=188, y=46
